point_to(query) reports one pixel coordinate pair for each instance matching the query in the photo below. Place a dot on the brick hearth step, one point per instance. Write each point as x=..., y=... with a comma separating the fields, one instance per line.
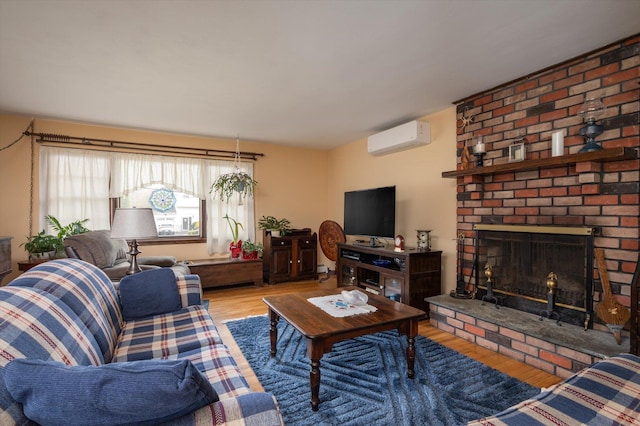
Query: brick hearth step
x=560, y=350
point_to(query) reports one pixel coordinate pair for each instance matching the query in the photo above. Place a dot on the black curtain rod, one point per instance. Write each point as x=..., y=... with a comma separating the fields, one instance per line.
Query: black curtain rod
x=64, y=140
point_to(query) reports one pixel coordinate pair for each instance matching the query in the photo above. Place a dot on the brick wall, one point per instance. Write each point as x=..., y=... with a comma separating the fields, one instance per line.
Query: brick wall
x=603, y=195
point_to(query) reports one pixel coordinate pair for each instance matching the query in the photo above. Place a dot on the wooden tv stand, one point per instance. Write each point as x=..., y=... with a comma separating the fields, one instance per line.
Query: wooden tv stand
x=419, y=277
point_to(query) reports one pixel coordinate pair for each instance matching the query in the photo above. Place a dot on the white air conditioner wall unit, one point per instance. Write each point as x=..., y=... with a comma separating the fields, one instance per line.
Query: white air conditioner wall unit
x=405, y=136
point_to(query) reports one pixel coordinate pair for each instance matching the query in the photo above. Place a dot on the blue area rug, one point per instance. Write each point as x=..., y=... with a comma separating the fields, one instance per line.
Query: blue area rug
x=364, y=380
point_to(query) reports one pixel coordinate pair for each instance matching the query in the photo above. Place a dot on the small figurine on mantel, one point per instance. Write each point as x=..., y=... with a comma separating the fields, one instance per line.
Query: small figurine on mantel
x=465, y=158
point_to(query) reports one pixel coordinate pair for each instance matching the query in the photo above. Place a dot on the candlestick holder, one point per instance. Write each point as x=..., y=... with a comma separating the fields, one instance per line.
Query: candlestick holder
x=480, y=151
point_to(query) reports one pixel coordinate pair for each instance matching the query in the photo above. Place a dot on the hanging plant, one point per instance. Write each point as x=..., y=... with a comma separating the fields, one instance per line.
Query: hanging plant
x=237, y=182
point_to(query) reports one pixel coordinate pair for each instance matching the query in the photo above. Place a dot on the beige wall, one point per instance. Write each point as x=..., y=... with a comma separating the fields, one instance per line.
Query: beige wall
x=424, y=199
x=306, y=186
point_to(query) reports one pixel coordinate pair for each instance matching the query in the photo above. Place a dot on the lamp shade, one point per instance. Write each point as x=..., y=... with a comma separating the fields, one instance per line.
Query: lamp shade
x=134, y=224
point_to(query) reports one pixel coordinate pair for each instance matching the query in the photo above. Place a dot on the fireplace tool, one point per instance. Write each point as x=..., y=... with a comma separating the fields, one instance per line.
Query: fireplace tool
x=460, y=292
x=488, y=272
x=552, y=285
x=612, y=312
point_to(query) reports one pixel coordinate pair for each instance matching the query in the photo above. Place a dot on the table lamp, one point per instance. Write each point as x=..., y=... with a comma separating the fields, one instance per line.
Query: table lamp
x=134, y=224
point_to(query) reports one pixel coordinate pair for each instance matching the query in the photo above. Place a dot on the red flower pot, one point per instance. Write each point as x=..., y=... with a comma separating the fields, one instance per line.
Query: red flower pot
x=236, y=249
x=249, y=256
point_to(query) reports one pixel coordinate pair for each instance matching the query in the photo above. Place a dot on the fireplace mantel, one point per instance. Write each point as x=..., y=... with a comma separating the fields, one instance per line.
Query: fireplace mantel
x=610, y=154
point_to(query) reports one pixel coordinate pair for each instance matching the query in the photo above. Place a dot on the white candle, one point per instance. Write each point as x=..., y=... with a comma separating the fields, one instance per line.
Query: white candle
x=480, y=147
x=557, y=143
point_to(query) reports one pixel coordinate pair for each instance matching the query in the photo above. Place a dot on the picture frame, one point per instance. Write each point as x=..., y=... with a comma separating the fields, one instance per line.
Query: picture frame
x=516, y=152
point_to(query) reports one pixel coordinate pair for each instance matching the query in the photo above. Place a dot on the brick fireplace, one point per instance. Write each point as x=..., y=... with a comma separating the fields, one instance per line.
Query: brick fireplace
x=521, y=259
x=598, y=190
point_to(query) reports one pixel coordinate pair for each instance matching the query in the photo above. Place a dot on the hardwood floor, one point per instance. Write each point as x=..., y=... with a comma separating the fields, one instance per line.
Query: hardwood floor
x=241, y=302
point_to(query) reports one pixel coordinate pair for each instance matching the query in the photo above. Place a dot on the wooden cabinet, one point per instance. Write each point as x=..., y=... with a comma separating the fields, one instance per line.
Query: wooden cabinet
x=278, y=263
x=292, y=257
x=406, y=277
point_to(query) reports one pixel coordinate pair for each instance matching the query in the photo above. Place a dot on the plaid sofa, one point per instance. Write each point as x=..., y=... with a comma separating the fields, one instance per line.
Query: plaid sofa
x=69, y=311
x=607, y=393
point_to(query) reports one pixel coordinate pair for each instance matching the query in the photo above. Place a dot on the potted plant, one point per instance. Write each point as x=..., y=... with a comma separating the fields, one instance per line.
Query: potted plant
x=74, y=228
x=42, y=246
x=228, y=184
x=236, y=244
x=251, y=250
x=277, y=227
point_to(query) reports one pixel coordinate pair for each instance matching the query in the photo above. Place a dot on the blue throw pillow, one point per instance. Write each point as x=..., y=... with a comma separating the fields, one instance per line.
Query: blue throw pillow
x=149, y=293
x=139, y=392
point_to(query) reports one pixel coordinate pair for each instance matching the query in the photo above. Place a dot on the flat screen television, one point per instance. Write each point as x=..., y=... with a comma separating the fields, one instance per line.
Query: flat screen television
x=370, y=213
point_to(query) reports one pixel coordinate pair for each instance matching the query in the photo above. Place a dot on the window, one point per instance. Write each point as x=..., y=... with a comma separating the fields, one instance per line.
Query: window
x=178, y=215
x=78, y=184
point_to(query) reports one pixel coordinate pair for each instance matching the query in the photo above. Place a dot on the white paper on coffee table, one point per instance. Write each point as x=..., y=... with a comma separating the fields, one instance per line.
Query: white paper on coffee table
x=336, y=306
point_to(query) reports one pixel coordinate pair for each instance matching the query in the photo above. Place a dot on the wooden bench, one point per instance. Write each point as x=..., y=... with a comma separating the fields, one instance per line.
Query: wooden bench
x=226, y=272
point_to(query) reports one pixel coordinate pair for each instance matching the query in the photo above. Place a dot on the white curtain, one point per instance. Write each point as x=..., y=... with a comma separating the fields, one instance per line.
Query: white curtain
x=217, y=226
x=74, y=185
x=77, y=184
x=131, y=172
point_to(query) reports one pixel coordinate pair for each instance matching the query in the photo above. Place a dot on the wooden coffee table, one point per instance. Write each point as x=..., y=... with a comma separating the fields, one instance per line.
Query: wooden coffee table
x=323, y=330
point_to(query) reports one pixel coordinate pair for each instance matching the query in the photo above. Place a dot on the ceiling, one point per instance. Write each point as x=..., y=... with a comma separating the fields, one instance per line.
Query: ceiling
x=315, y=74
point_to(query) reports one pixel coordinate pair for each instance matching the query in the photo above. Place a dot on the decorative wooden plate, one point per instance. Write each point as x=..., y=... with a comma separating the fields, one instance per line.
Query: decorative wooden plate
x=330, y=234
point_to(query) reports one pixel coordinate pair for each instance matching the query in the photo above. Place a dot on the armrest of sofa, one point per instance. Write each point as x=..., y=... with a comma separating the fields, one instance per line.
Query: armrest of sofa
x=251, y=409
x=150, y=262
x=190, y=289
x=164, y=261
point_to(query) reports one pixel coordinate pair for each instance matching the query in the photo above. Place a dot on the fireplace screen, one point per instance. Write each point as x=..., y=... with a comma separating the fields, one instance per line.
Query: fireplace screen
x=522, y=257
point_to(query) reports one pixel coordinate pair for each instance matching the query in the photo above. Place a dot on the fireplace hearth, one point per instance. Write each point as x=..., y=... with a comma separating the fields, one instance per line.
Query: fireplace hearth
x=521, y=260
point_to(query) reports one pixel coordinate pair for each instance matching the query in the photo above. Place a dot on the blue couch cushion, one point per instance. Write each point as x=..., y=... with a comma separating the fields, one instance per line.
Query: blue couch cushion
x=149, y=293
x=143, y=392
